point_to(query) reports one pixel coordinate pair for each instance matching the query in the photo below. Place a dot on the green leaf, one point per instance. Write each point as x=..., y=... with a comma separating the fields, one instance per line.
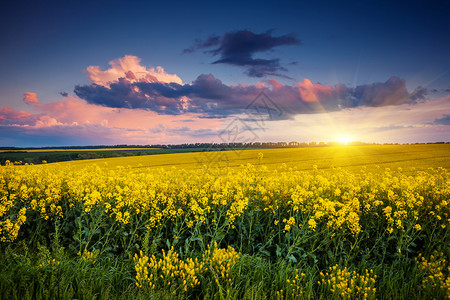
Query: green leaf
x=278, y=251
x=292, y=258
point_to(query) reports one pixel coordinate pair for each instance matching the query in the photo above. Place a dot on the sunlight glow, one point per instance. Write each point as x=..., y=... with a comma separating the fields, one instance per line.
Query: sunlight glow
x=344, y=139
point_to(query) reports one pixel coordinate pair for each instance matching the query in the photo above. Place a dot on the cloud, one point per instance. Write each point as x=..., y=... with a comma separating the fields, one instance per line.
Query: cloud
x=128, y=67
x=30, y=98
x=212, y=41
x=419, y=93
x=238, y=48
x=10, y=116
x=310, y=92
x=158, y=97
x=275, y=84
x=206, y=95
x=128, y=104
x=72, y=121
x=58, y=135
x=443, y=121
x=405, y=123
x=211, y=98
x=391, y=92
x=47, y=121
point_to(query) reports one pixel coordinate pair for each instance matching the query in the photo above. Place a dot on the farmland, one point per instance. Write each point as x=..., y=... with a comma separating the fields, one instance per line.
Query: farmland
x=351, y=158
x=344, y=222
x=38, y=156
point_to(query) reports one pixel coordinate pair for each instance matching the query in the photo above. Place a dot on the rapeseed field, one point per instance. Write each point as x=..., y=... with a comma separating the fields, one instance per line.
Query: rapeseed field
x=260, y=227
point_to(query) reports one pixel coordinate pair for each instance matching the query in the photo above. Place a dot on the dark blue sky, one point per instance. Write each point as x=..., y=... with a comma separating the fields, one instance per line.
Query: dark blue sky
x=46, y=45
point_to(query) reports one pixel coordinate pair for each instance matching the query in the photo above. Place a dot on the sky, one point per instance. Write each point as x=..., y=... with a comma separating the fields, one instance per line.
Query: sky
x=172, y=72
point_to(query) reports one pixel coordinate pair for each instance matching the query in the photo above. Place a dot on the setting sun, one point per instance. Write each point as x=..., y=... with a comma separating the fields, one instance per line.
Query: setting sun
x=344, y=139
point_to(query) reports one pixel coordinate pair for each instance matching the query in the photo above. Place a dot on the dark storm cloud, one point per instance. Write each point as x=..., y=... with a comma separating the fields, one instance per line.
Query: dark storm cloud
x=64, y=94
x=211, y=98
x=238, y=48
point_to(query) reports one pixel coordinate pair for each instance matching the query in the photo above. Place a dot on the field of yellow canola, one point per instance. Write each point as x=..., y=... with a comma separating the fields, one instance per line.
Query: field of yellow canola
x=353, y=158
x=184, y=229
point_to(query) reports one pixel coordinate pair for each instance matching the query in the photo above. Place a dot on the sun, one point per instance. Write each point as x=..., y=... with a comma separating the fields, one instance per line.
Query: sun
x=344, y=139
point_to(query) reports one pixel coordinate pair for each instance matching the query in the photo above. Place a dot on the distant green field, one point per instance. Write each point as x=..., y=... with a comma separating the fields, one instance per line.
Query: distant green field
x=419, y=157
x=38, y=156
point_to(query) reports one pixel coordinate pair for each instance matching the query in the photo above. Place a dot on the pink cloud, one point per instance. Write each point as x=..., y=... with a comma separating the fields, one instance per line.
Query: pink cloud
x=275, y=84
x=10, y=116
x=47, y=121
x=30, y=98
x=129, y=67
x=71, y=119
x=260, y=85
x=313, y=92
x=128, y=84
x=72, y=110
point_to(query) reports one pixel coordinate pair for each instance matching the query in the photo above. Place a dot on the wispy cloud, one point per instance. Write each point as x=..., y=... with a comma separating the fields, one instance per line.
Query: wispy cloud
x=239, y=47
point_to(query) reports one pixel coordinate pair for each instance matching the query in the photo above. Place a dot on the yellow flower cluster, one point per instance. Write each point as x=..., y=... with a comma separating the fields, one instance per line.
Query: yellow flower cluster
x=89, y=256
x=168, y=272
x=436, y=272
x=25, y=188
x=335, y=199
x=349, y=285
x=9, y=228
x=51, y=263
x=178, y=275
x=293, y=287
x=220, y=260
x=289, y=223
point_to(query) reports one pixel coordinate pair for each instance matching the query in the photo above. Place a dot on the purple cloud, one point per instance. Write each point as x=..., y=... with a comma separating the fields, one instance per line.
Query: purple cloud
x=238, y=48
x=443, y=121
x=212, y=41
x=159, y=97
x=391, y=92
x=211, y=98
